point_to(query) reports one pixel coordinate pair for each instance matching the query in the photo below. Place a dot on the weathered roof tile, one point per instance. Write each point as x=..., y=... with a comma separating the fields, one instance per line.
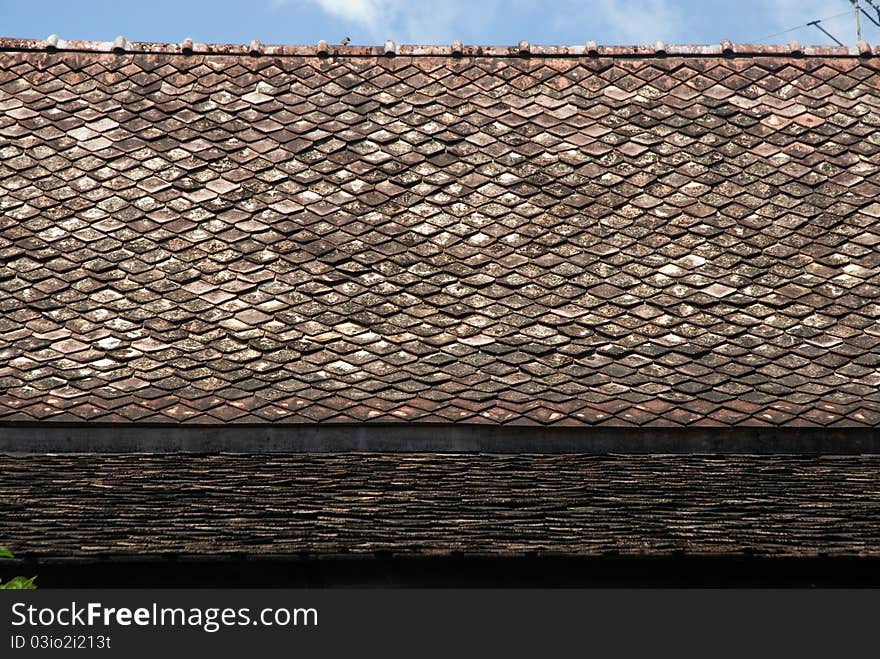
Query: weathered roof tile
x=684, y=239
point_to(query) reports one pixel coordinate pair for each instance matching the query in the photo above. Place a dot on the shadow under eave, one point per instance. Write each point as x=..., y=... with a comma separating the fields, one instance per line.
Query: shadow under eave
x=431, y=438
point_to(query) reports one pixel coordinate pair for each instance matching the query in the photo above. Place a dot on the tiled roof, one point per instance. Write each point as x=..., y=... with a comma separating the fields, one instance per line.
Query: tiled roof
x=108, y=506
x=578, y=236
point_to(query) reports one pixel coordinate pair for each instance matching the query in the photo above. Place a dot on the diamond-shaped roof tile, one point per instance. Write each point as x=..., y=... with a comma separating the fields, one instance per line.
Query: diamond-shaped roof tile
x=680, y=239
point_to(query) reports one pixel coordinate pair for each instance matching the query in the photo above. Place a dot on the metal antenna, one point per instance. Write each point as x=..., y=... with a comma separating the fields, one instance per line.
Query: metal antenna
x=875, y=5
x=877, y=9
x=816, y=25
x=869, y=17
x=856, y=8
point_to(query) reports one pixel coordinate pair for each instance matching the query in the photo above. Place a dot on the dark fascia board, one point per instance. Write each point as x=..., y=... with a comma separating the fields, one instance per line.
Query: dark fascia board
x=267, y=571
x=410, y=438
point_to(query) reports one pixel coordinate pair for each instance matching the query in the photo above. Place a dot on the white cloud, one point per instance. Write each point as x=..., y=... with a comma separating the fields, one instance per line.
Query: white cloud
x=408, y=21
x=638, y=21
x=367, y=13
x=416, y=21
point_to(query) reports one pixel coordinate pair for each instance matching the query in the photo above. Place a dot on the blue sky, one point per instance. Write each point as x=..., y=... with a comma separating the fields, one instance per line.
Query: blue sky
x=421, y=21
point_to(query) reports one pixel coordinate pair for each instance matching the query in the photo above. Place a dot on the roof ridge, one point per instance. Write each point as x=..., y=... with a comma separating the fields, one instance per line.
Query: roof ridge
x=456, y=49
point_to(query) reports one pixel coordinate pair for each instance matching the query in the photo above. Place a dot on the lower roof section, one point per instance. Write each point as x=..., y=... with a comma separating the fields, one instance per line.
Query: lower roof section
x=448, y=438
x=101, y=506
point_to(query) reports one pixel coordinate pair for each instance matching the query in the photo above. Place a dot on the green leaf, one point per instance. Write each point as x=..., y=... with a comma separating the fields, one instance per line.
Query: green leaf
x=5, y=553
x=19, y=583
